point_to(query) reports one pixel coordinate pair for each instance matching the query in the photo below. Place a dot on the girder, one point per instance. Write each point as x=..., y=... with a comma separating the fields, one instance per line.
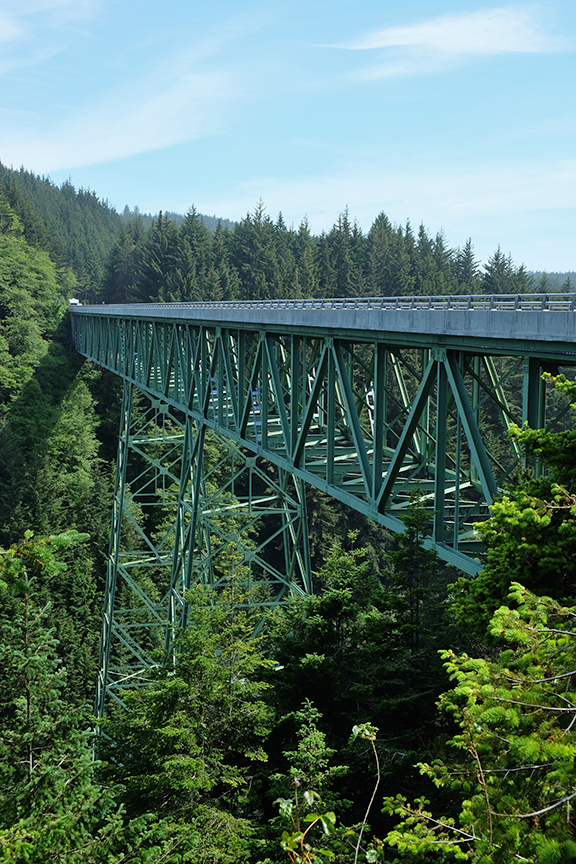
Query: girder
x=363, y=413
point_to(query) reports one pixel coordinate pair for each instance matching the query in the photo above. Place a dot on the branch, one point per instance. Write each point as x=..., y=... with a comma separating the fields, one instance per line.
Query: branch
x=545, y=680
x=537, y=812
x=534, y=705
x=466, y=837
x=371, y=801
x=481, y=779
x=551, y=630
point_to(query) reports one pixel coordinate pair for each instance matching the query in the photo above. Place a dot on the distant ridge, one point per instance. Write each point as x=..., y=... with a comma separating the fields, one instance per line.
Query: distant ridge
x=544, y=282
x=211, y=222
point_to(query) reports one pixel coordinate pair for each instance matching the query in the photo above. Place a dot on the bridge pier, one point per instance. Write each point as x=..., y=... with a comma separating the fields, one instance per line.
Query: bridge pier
x=190, y=507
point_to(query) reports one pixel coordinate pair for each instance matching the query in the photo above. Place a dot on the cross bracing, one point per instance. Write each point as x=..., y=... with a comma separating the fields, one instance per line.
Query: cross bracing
x=366, y=400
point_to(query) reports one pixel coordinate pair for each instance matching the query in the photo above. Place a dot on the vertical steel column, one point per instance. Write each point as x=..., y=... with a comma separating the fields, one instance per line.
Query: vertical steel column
x=475, y=410
x=183, y=559
x=424, y=436
x=534, y=401
x=331, y=412
x=264, y=390
x=440, y=455
x=295, y=378
x=113, y=550
x=379, y=432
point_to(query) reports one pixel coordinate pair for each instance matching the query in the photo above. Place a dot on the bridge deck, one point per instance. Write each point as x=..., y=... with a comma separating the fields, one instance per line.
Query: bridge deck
x=543, y=324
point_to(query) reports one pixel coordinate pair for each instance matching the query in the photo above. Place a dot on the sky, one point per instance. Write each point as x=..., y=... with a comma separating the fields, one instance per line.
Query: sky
x=458, y=115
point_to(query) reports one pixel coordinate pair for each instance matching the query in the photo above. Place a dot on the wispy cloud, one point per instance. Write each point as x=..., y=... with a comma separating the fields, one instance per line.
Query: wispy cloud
x=179, y=94
x=34, y=30
x=25, y=14
x=9, y=27
x=451, y=38
x=142, y=117
x=488, y=31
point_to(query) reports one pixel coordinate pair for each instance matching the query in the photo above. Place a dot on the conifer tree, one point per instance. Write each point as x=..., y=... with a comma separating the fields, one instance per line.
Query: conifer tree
x=531, y=535
x=188, y=747
x=119, y=284
x=50, y=805
x=511, y=770
x=416, y=581
x=467, y=269
x=159, y=278
x=194, y=259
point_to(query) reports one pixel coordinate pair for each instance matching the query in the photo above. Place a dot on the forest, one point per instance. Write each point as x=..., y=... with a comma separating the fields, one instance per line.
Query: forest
x=402, y=713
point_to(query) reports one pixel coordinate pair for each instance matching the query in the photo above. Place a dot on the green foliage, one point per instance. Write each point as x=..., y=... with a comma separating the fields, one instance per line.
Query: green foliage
x=50, y=806
x=322, y=642
x=306, y=813
x=348, y=650
x=188, y=746
x=531, y=535
x=53, y=479
x=557, y=450
x=514, y=774
x=417, y=580
x=74, y=227
x=31, y=304
x=309, y=763
x=120, y=278
x=179, y=259
x=296, y=843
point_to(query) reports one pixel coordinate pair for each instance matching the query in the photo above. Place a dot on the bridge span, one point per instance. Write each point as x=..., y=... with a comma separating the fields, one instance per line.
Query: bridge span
x=230, y=409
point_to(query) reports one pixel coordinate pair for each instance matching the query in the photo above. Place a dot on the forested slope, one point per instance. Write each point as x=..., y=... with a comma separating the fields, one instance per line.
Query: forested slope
x=192, y=771
x=260, y=258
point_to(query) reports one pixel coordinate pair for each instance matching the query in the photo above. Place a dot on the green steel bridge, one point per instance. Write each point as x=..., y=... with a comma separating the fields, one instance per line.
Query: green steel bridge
x=230, y=409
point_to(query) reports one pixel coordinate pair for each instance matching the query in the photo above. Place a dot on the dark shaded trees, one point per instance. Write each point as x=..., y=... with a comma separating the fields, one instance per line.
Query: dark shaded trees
x=187, y=747
x=50, y=804
x=121, y=274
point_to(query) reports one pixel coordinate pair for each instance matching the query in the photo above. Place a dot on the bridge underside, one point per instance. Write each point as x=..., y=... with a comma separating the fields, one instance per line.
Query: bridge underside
x=223, y=425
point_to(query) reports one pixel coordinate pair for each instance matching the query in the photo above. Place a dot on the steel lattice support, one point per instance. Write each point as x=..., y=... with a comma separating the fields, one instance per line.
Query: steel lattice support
x=189, y=507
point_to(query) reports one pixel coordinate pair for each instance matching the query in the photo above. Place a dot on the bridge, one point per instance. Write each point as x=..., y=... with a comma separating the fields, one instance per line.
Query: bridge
x=231, y=411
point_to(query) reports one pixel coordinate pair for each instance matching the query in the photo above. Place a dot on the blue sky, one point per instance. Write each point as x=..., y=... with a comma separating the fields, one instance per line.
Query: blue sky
x=461, y=115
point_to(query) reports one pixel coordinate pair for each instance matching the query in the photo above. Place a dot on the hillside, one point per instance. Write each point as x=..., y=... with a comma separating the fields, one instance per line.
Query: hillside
x=238, y=745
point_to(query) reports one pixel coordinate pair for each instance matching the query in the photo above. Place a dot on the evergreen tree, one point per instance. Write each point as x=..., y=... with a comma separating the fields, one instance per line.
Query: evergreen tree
x=253, y=255
x=119, y=284
x=50, y=805
x=348, y=650
x=306, y=271
x=31, y=305
x=159, y=278
x=223, y=277
x=467, y=269
x=387, y=259
x=502, y=277
x=194, y=259
x=513, y=774
x=345, y=244
x=531, y=535
x=417, y=580
x=187, y=748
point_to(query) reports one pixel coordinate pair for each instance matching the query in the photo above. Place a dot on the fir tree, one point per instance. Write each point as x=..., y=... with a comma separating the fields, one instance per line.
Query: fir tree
x=50, y=804
x=511, y=771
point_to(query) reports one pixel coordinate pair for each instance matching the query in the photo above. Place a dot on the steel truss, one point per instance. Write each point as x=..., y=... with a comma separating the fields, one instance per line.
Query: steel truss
x=365, y=417
x=189, y=507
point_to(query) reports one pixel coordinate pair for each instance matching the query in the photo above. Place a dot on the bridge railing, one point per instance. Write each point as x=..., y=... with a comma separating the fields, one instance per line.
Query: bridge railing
x=470, y=302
